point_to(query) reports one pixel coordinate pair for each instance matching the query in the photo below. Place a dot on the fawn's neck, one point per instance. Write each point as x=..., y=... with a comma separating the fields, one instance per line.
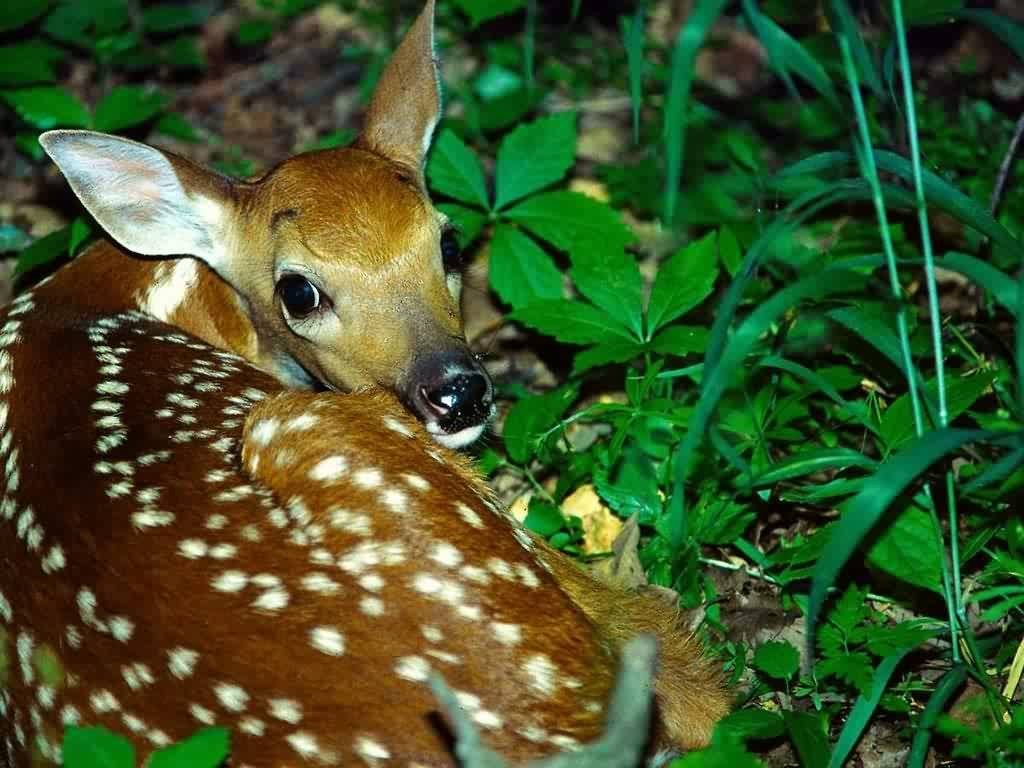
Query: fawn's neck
x=182, y=292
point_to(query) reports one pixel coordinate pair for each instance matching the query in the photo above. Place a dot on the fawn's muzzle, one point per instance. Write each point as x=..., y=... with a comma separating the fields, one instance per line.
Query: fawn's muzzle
x=454, y=397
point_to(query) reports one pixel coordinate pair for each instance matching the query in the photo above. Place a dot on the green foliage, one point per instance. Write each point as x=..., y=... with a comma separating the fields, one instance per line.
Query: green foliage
x=99, y=748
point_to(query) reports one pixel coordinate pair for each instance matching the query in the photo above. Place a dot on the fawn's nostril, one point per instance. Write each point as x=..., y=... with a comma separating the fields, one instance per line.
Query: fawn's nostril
x=465, y=392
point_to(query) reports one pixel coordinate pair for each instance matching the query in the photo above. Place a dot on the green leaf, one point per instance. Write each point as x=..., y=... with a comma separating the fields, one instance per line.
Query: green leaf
x=532, y=416
x=908, y=549
x=859, y=717
x=729, y=250
x=46, y=107
x=572, y=322
x=469, y=222
x=480, y=11
x=43, y=251
x=126, y=106
x=859, y=516
x=78, y=234
x=174, y=17
x=604, y=354
x=680, y=340
x=777, y=658
x=543, y=518
x=206, y=748
x=96, y=748
x=897, y=424
x=808, y=734
x=683, y=282
x=18, y=13
x=454, y=170
x=811, y=462
x=754, y=724
x=175, y=125
x=29, y=63
x=611, y=280
x=535, y=155
x=521, y=272
x=573, y=222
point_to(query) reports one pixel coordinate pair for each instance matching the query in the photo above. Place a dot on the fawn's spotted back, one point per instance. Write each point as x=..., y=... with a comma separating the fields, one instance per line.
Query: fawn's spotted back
x=299, y=597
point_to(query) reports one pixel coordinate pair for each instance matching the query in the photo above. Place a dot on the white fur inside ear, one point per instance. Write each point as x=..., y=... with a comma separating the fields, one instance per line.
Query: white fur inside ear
x=134, y=193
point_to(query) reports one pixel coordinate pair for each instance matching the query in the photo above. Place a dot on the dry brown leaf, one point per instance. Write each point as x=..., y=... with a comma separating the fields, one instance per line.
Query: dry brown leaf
x=624, y=568
x=600, y=526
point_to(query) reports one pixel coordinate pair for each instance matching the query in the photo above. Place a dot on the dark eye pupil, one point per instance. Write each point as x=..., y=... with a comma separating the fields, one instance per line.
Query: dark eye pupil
x=451, y=254
x=300, y=296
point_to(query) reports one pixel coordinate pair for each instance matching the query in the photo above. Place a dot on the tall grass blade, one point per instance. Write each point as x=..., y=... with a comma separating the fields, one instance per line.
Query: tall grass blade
x=841, y=19
x=944, y=690
x=684, y=55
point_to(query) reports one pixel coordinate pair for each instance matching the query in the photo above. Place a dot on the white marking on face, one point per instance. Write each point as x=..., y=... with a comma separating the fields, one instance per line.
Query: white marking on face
x=460, y=439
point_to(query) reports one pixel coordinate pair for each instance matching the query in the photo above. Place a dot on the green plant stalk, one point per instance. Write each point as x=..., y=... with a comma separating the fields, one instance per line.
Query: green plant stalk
x=933, y=305
x=866, y=158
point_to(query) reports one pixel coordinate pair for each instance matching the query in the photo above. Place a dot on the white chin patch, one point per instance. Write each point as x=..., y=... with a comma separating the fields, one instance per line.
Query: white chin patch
x=456, y=440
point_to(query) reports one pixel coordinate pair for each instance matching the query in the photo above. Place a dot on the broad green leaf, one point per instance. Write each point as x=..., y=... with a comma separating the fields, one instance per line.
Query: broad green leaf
x=897, y=424
x=175, y=125
x=680, y=340
x=206, y=748
x=480, y=11
x=174, y=17
x=531, y=417
x=126, y=106
x=584, y=227
x=455, y=171
x=754, y=724
x=604, y=354
x=859, y=517
x=611, y=279
x=29, y=63
x=43, y=251
x=46, y=107
x=683, y=281
x=469, y=222
x=631, y=485
x=535, y=155
x=938, y=191
x=520, y=271
x=1006, y=29
x=543, y=518
x=1002, y=287
x=571, y=322
x=908, y=549
x=79, y=233
x=96, y=748
x=729, y=250
x=811, y=462
x=777, y=658
x=807, y=731
x=859, y=717
x=874, y=330
x=18, y=13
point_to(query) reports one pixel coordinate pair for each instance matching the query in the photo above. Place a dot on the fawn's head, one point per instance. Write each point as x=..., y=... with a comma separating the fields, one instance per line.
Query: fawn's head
x=349, y=275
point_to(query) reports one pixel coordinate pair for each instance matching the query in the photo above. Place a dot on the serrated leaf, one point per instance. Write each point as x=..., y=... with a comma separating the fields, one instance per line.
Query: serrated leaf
x=777, y=658
x=531, y=416
x=454, y=170
x=206, y=748
x=604, y=354
x=535, y=155
x=127, y=105
x=480, y=11
x=683, y=282
x=573, y=222
x=96, y=748
x=908, y=550
x=680, y=340
x=46, y=107
x=469, y=222
x=611, y=280
x=29, y=63
x=520, y=270
x=853, y=668
x=572, y=322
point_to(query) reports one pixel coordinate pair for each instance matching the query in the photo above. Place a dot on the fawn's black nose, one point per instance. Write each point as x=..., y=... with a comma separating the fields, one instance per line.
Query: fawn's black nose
x=453, y=396
x=463, y=397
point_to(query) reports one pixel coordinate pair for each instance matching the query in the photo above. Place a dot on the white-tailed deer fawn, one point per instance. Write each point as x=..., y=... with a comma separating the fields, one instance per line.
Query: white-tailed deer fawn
x=188, y=540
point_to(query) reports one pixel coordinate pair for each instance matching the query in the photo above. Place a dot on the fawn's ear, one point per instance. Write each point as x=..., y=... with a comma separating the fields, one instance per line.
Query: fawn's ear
x=151, y=202
x=406, y=103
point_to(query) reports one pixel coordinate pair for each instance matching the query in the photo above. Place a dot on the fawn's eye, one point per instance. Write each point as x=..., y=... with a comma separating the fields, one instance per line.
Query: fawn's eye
x=299, y=296
x=451, y=254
